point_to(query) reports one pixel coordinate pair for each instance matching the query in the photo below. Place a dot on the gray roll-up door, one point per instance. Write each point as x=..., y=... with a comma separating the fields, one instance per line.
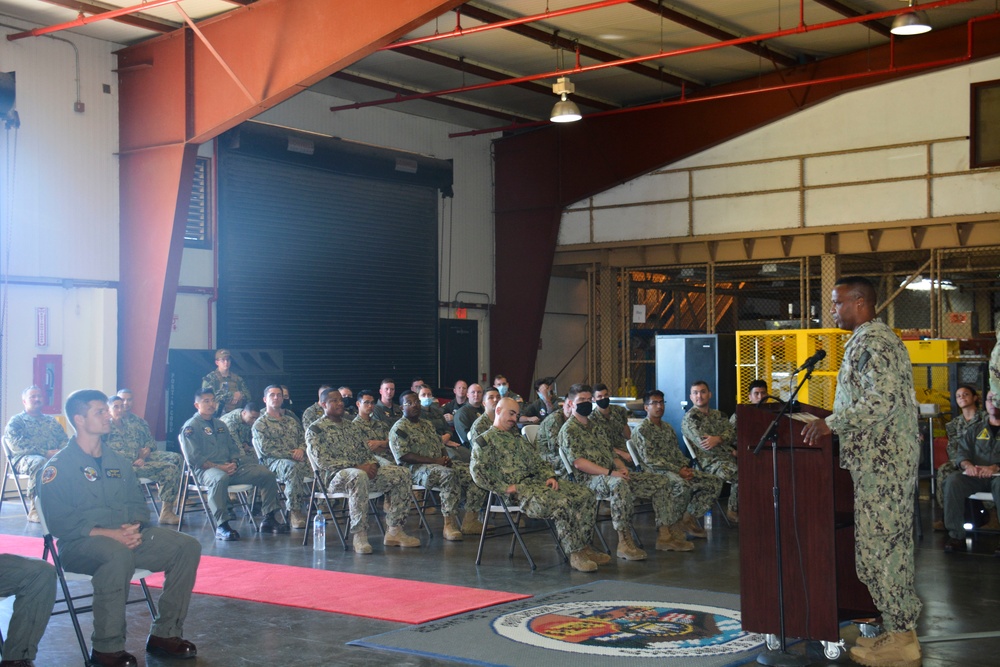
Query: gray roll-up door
x=338, y=270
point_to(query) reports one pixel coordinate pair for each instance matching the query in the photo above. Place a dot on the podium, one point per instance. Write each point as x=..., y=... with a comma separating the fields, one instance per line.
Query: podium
x=821, y=586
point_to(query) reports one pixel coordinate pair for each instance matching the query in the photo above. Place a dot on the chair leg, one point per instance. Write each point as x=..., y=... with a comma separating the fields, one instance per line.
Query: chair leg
x=149, y=598
x=420, y=514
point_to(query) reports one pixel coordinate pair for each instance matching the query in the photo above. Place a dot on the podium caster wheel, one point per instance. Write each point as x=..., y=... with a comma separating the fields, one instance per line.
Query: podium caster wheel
x=832, y=650
x=772, y=642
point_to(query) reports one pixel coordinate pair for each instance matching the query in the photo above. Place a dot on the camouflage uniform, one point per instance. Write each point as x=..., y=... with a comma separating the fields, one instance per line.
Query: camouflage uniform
x=875, y=416
x=581, y=441
x=995, y=368
x=30, y=438
x=612, y=424
x=390, y=415
x=658, y=452
x=127, y=437
x=547, y=441
x=374, y=429
x=501, y=458
x=225, y=387
x=419, y=438
x=981, y=447
x=721, y=459
x=483, y=423
x=312, y=413
x=336, y=449
x=242, y=433
x=956, y=430
x=274, y=440
x=209, y=440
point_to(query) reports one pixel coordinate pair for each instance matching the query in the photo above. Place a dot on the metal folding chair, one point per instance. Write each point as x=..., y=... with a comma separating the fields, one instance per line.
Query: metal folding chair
x=244, y=493
x=318, y=494
x=9, y=473
x=71, y=601
x=530, y=432
x=689, y=449
x=497, y=505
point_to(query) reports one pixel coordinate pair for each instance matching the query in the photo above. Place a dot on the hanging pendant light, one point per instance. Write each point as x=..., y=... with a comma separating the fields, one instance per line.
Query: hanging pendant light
x=911, y=23
x=565, y=110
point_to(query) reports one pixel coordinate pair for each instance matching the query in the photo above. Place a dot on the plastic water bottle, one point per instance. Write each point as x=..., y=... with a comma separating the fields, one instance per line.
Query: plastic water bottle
x=319, y=532
x=708, y=520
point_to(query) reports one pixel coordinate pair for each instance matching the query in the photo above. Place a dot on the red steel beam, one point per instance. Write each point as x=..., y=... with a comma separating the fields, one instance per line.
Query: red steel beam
x=539, y=173
x=135, y=20
x=737, y=41
x=173, y=96
x=85, y=20
x=844, y=10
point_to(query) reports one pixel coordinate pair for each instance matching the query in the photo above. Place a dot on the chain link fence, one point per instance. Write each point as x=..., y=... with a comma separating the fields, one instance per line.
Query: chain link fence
x=952, y=293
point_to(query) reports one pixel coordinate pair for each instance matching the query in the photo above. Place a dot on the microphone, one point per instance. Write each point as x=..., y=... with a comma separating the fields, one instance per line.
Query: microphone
x=811, y=362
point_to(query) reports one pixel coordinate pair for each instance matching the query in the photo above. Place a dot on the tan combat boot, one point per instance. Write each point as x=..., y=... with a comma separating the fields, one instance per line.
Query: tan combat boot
x=733, y=516
x=396, y=537
x=471, y=525
x=692, y=528
x=890, y=649
x=598, y=557
x=360, y=543
x=452, y=532
x=671, y=538
x=167, y=516
x=297, y=519
x=33, y=513
x=578, y=561
x=627, y=548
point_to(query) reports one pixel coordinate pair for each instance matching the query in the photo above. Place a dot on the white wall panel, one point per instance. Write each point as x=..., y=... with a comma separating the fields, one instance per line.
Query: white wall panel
x=746, y=178
x=964, y=195
x=779, y=210
x=876, y=202
x=866, y=166
x=950, y=156
x=83, y=328
x=564, y=330
x=64, y=203
x=574, y=228
x=640, y=222
x=190, y=329
x=650, y=187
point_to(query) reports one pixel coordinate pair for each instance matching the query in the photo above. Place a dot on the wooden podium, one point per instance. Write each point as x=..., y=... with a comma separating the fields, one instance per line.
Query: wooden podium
x=821, y=586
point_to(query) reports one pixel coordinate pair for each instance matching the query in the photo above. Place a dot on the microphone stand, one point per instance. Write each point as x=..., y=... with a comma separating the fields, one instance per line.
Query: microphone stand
x=780, y=657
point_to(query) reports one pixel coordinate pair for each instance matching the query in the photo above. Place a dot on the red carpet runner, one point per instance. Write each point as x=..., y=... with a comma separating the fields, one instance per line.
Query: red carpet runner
x=398, y=600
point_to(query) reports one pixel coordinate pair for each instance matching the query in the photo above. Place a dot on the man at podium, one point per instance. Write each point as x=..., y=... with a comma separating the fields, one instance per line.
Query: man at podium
x=875, y=416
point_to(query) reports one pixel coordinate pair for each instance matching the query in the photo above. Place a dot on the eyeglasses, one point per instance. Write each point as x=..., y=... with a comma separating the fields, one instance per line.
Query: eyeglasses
x=656, y=403
x=367, y=402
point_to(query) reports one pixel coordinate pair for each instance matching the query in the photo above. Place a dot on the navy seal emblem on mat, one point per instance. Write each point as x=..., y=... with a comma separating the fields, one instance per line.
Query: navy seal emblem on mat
x=633, y=628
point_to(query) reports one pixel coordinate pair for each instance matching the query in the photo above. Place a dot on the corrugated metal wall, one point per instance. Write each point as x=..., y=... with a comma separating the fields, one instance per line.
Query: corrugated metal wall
x=338, y=271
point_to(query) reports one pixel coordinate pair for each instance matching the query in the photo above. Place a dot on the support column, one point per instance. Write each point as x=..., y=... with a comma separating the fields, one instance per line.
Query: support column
x=829, y=272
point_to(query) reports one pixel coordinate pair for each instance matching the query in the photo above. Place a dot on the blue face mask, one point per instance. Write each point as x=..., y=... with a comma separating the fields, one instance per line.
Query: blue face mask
x=542, y=395
x=427, y=402
x=503, y=389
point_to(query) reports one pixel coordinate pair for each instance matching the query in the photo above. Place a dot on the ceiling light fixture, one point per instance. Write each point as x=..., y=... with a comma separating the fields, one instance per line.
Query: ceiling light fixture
x=565, y=111
x=910, y=23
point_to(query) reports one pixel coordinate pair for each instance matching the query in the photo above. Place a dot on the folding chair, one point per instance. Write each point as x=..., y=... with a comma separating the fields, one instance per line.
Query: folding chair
x=190, y=483
x=147, y=487
x=571, y=476
x=513, y=515
x=9, y=473
x=530, y=432
x=318, y=494
x=69, y=600
x=689, y=449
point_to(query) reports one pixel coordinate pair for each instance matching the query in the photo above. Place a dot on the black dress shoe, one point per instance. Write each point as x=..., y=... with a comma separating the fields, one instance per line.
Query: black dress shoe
x=226, y=534
x=116, y=659
x=954, y=545
x=171, y=647
x=16, y=663
x=270, y=525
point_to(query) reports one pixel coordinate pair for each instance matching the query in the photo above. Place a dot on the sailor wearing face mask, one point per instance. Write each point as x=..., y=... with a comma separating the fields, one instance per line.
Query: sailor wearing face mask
x=501, y=385
x=596, y=465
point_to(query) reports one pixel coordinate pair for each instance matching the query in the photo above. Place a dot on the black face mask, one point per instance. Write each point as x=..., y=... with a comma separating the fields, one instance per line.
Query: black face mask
x=603, y=403
x=584, y=409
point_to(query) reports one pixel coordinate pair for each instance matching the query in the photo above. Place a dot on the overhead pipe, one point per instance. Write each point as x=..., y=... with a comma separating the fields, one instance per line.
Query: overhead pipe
x=738, y=93
x=798, y=30
x=86, y=20
x=459, y=31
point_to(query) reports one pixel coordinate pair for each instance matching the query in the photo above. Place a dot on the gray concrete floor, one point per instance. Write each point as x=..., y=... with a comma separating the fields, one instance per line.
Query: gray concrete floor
x=960, y=593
